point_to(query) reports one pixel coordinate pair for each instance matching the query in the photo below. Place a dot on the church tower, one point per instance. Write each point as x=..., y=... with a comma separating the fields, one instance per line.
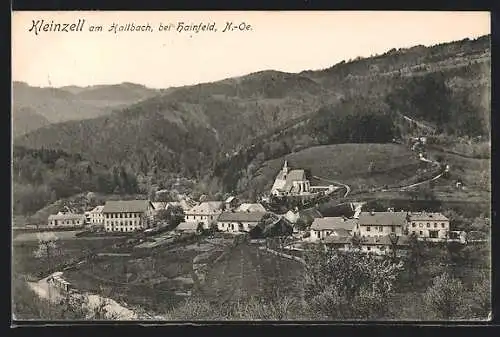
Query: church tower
x=285, y=169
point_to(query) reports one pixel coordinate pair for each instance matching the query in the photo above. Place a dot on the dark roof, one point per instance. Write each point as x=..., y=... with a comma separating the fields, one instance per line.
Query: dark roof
x=241, y=216
x=382, y=218
x=337, y=239
x=384, y=240
x=424, y=216
x=122, y=206
x=333, y=223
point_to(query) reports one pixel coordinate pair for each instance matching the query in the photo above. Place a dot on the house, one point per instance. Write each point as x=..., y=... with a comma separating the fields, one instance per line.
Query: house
x=432, y=226
x=342, y=242
x=66, y=220
x=292, y=216
x=382, y=245
x=239, y=221
x=373, y=224
x=187, y=227
x=337, y=226
x=248, y=207
x=205, y=213
x=97, y=217
x=292, y=182
x=231, y=203
x=127, y=215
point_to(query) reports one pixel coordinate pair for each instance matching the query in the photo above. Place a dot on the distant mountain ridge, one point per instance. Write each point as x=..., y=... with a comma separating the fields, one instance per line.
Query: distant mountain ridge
x=76, y=103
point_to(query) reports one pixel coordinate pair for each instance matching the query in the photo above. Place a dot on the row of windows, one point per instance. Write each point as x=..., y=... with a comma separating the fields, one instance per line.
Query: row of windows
x=121, y=229
x=380, y=228
x=121, y=215
x=66, y=222
x=201, y=217
x=428, y=225
x=123, y=223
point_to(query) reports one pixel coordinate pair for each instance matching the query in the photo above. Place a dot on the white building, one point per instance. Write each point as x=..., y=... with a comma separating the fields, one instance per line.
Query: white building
x=205, y=213
x=374, y=224
x=235, y=222
x=432, y=226
x=66, y=220
x=336, y=226
x=292, y=182
x=127, y=215
x=97, y=217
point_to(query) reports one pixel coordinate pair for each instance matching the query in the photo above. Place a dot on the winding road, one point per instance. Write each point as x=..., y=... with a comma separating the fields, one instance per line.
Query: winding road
x=347, y=188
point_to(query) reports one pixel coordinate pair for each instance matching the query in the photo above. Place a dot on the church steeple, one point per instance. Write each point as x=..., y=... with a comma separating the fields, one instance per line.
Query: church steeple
x=285, y=167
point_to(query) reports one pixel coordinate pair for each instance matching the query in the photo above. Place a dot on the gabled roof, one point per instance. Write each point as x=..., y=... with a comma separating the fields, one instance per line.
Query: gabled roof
x=207, y=207
x=340, y=239
x=67, y=216
x=241, y=216
x=245, y=207
x=230, y=199
x=382, y=218
x=331, y=223
x=293, y=175
x=424, y=216
x=187, y=226
x=122, y=206
x=97, y=209
x=159, y=205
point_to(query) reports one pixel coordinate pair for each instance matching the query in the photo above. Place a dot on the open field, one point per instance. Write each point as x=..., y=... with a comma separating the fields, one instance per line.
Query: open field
x=358, y=165
x=247, y=271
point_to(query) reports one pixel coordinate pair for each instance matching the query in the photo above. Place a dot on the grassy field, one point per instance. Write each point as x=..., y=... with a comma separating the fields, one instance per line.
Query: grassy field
x=246, y=271
x=358, y=165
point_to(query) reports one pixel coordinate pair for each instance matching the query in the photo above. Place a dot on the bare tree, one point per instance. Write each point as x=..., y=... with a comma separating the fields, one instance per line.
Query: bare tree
x=47, y=247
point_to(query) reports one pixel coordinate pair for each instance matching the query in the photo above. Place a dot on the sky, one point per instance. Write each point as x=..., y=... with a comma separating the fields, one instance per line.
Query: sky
x=278, y=40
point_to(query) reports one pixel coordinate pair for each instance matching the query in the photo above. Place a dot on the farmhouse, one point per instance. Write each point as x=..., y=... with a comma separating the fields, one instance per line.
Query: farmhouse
x=97, y=217
x=187, y=227
x=127, y=215
x=247, y=207
x=342, y=243
x=374, y=224
x=204, y=213
x=239, y=221
x=336, y=226
x=66, y=220
x=231, y=202
x=432, y=226
x=382, y=245
x=290, y=183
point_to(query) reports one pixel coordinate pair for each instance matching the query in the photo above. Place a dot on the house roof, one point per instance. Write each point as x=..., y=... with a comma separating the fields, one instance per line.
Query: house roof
x=186, y=226
x=241, y=216
x=230, y=199
x=121, y=206
x=97, y=209
x=424, y=216
x=340, y=239
x=67, y=216
x=384, y=240
x=159, y=205
x=246, y=207
x=382, y=218
x=331, y=223
x=207, y=207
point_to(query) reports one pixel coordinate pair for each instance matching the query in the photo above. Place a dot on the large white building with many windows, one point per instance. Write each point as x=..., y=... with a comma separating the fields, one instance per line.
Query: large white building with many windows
x=378, y=224
x=127, y=215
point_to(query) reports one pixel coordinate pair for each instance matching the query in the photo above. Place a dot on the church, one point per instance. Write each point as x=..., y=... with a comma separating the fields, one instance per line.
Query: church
x=291, y=183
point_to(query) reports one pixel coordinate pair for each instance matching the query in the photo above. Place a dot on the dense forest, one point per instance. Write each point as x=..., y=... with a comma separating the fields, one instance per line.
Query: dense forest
x=45, y=175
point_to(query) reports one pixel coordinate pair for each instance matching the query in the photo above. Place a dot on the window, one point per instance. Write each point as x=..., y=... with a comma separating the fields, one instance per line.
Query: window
x=420, y=225
x=367, y=228
x=421, y=232
x=368, y=248
x=428, y=225
x=442, y=224
x=393, y=229
x=435, y=225
x=414, y=224
x=380, y=228
x=433, y=234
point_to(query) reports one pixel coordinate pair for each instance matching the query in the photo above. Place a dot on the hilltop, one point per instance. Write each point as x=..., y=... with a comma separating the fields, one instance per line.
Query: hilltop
x=72, y=102
x=222, y=132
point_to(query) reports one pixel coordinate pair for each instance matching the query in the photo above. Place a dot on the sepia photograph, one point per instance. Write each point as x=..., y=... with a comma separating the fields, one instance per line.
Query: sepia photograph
x=251, y=166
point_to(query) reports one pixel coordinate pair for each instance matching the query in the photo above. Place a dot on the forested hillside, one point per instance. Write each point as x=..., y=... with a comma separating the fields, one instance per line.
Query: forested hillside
x=218, y=132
